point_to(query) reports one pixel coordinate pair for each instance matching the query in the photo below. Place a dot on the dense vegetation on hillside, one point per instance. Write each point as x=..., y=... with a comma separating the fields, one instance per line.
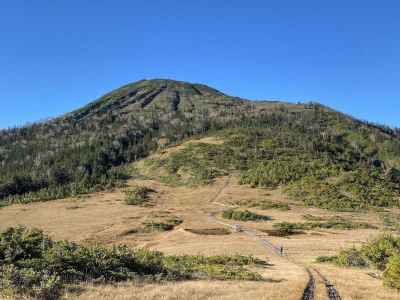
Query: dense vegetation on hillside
x=81, y=151
x=326, y=158
x=317, y=168
x=34, y=265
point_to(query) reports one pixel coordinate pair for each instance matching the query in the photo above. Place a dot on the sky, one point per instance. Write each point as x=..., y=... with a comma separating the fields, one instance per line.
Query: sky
x=56, y=56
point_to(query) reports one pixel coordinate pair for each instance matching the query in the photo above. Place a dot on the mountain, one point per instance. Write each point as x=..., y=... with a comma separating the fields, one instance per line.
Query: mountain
x=323, y=157
x=149, y=95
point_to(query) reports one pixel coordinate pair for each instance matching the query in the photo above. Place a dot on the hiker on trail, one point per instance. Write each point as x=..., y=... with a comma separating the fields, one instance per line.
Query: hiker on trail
x=281, y=250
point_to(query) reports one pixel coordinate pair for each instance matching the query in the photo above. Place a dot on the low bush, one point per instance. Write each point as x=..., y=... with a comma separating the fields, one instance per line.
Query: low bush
x=15, y=281
x=380, y=249
x=346, y=258
x=166, y=225
x=157, y=226
x=391, y=276
x=33, y=265
x=334, y=222
x=326, y=259
x=175, y=221
x=351, y=258
x=313, y=218
x=210, y=231
x=284, y=229
x=137, y=195
x=243, y=215
x=337, y=222
x=216, y=267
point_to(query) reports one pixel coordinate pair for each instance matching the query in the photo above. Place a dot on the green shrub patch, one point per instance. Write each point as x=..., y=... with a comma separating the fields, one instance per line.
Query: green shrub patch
x=34, y=265
x=284, y=229
x=243, y=215
x=137, y=195
x=210, y=231
x=335, y=222
x=264, y=204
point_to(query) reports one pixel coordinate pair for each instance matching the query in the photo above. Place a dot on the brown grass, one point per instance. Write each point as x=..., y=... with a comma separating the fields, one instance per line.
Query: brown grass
x=357, y=283
x=195, y=290
x=104, y=218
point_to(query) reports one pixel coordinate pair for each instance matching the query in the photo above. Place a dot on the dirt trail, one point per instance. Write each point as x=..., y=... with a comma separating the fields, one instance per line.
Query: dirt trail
x=331, y=290
x=309, y=291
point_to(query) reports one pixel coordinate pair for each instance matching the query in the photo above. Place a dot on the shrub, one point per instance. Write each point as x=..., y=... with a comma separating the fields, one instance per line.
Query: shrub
x=380, y=249
x=346, y=258
x=391, y=276
x=266, y=204
x=218, y=267
x=326, y=259
x=137, y=195
x=157, y=226
x=20, y=244
x=210, y=231
x=37, y=284
x=175, y=221
x=351, y=258
x=312, y=218
x=285, y=229
x=337, y=222
x=34, y=265
x=167, y=225
x=243, y=215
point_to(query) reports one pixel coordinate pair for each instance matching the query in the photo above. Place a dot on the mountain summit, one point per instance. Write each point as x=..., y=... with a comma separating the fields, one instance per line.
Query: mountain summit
x=157, y=94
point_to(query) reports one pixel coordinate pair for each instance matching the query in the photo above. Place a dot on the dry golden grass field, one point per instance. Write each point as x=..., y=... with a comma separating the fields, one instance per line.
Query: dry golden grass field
x=105, y=218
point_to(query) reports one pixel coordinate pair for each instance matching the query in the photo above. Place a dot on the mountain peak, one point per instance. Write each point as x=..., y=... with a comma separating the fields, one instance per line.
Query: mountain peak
x=174, y=85
x=163, y=94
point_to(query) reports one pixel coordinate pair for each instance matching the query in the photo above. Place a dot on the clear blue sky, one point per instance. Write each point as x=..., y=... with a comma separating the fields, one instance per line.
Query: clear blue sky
x=56, y=56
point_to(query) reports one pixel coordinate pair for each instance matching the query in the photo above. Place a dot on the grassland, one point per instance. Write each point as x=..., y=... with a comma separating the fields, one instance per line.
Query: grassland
x=104, y=218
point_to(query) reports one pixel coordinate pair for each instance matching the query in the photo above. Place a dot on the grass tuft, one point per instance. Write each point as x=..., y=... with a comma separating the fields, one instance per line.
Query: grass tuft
x=243, y=215
x=210, y=231
x=137, y=195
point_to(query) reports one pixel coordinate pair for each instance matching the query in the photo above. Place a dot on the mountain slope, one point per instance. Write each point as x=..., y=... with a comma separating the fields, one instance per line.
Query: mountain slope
x=162, y=95
x=303, y=146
